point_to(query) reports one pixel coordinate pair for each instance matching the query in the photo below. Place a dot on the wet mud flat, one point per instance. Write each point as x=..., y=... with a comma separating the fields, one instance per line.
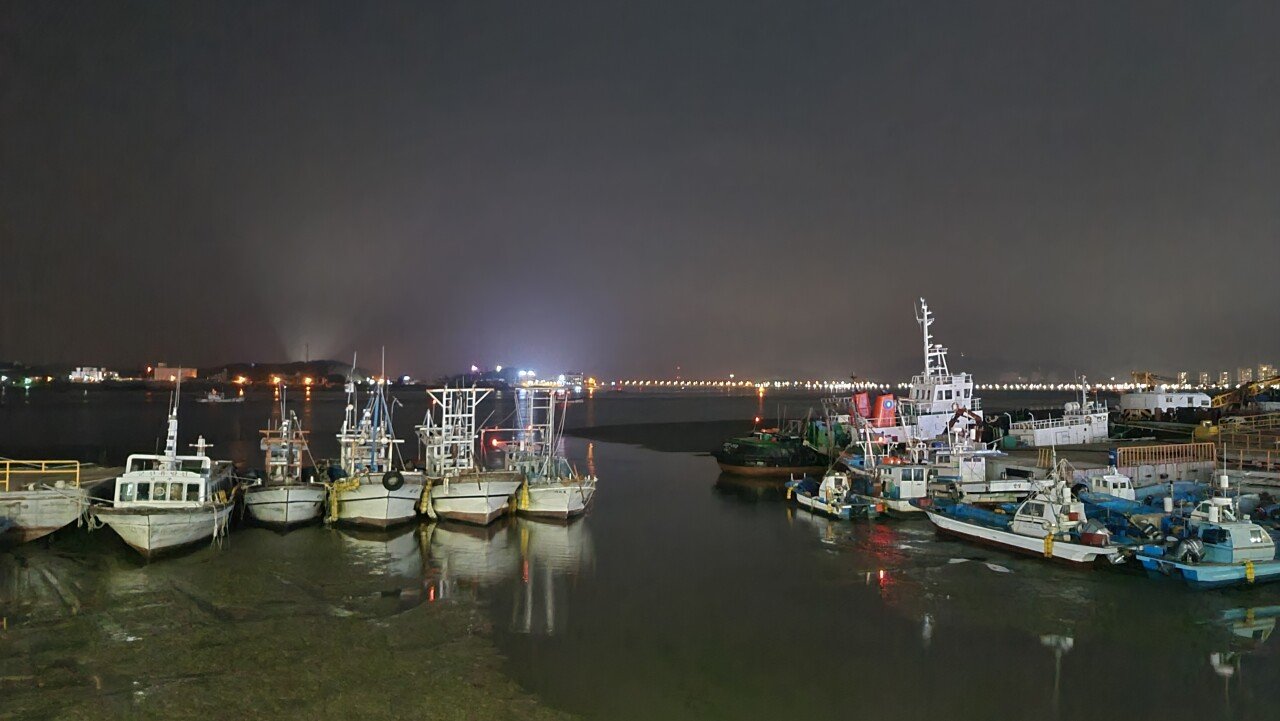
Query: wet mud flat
x=91, y=632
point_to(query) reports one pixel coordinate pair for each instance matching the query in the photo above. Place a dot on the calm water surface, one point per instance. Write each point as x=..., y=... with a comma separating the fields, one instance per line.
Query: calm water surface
x=684, y=594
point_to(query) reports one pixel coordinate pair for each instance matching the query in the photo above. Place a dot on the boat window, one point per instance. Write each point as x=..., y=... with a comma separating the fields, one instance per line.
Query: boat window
x=1034, y=509
x=939, y=395
x=160, y=492
x=144, y=492
x=968, y=392
x=177, y=491
x=1256, y=536
x=948, y=395
x=126, y=492
x=1214, y=535
x=193, y=491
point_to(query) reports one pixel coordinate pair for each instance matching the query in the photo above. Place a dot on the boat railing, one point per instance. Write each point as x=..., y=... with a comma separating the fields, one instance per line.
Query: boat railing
x=1043, y=423
x=1167, y=453
x=12, y=471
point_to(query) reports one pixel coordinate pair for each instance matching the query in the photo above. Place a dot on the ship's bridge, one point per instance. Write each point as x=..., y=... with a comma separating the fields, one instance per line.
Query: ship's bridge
x=941, y=394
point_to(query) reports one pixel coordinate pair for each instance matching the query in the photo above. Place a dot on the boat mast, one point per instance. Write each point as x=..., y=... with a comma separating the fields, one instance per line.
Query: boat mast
x=935, y=356
x=171, y=437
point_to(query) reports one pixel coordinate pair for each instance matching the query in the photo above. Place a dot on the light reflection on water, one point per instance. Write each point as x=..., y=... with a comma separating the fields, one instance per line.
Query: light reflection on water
x=684, y=594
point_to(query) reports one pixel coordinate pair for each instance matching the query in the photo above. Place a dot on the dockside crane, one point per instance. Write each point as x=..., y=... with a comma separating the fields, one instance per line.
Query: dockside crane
x=1148, y=378
x=1237, y=397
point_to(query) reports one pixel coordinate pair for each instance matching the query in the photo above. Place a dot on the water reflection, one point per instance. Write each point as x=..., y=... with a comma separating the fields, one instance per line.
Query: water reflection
x=751, y=489
x=539, y=562
x=1249, y=630
x=552, y=556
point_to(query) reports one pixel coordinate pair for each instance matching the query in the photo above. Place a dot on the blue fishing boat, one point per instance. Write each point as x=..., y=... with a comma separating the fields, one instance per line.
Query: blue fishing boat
x=1215, y=549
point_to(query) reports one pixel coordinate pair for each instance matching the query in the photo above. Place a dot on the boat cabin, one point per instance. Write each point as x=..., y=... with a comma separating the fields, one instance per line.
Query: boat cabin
x=1114, y=484
x=903, y=482
x=1235, y=542
x=1039, y=516
x=151, y=480
x=1214, y=510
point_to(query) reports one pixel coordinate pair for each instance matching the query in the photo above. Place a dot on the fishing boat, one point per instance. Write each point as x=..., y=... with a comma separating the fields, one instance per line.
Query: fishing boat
x=38, y=497
x=552, y=487
x=832, y=496
x=215, y=396
x=1083, y=421
x=1050, y=523
x=371, y=485
x=769, y=452
x=1216, y=548
x=164, y=502
x=284, y=496
x=459, y=489
x=938, y=401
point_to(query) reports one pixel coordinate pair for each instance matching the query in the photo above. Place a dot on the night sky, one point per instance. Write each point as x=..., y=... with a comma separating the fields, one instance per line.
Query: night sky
x=624, y=187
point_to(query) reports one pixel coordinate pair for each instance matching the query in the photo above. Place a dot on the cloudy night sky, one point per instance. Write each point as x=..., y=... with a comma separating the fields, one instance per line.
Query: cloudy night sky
x=623, y=187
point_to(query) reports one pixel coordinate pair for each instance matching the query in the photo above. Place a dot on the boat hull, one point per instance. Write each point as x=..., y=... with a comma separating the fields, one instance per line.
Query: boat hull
x=1074, y=553
x=477, y=501
x=843, y=511
x=1212, y=575
x=373, y=505
x=152, y=531
x=556, y=500
x=286, y=505
x=28, y=515
x=897, y=507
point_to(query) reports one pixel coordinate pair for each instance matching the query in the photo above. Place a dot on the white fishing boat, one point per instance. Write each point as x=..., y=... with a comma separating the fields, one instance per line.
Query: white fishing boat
x=459, y=489
x=958, y=469
x=1050, y=523
x=38, y=497
x=215, y=396
x=371, y=485
x=1084, y=421
x=552, y=488
x=939, y=400
x=165, y=502
x=283, y=497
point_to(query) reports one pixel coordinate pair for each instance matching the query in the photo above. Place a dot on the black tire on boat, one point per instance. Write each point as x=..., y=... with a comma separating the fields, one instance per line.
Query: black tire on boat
x=392, y=480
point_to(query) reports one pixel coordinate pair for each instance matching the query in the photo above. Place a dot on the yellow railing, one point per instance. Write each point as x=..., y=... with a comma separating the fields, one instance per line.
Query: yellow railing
x=11, y=470
x=1168, y=453
x=1251, y=449
x=1260, y=422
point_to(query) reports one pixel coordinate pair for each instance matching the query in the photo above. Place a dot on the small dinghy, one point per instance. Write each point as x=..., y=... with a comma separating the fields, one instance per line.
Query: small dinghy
x=832, y=496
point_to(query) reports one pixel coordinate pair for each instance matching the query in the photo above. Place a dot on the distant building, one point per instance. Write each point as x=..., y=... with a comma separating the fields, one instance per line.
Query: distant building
x=1266, y=370
x=170, y=374
x=1204, y=378
x=1183, y=378
x=89, y=374
x=1244, y=375
x=1224, y=378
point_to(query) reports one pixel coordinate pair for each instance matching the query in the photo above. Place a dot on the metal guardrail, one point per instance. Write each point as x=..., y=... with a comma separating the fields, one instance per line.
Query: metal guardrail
x=1167, y=453
x=10, y=468
x=1245, y=424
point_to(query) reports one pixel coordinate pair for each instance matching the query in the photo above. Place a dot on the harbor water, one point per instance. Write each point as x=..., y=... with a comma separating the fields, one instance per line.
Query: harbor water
x=684, y=594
